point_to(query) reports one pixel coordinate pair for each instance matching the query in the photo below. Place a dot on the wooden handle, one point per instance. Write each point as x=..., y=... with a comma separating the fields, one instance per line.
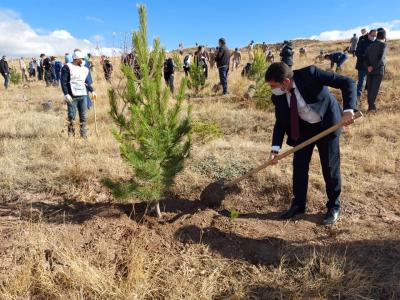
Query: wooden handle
x=324, y=133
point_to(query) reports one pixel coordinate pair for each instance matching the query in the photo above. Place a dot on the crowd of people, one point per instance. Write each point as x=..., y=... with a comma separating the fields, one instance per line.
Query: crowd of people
x=369, y=50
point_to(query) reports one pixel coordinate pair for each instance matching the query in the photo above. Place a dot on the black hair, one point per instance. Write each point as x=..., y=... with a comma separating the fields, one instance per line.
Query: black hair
x=381, y=35
x=371, y=31
x=222, y=41
x=278, y=72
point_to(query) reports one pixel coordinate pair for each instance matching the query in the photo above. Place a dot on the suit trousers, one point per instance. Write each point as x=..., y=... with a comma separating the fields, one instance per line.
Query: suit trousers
x=329, y=153
x=373, y=84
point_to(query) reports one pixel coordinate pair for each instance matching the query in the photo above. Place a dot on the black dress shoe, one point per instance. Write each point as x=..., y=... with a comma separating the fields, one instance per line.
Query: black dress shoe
x=293, y=211
x=331, y=216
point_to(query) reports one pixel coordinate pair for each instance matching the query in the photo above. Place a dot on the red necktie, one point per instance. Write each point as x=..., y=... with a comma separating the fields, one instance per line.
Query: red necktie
x=294, y=117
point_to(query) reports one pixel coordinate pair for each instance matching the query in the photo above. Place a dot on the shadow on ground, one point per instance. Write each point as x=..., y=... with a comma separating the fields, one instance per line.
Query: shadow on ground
x=377, y=260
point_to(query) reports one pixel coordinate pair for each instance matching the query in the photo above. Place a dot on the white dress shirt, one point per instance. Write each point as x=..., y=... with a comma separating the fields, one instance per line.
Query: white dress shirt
x=305, y=111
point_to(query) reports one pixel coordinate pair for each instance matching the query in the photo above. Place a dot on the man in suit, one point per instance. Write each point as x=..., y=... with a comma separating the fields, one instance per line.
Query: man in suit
x=304, y=107
x=362, y=45
x=375, y=61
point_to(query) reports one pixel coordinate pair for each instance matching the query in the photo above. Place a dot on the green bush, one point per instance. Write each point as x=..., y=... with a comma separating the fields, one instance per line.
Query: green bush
x=197, y=77
x=177, y=61
x=263, y=91
x=15, y=77
x=206, y=130
x=258, y=67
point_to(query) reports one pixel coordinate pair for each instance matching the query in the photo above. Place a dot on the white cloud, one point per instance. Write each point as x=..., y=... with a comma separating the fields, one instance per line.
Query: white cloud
x=17, y=38
x=392, y=31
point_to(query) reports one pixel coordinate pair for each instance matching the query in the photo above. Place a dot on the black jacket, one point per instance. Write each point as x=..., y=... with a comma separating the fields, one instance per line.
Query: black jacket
x=375, y=56
x=313, y=83
x=287, y=55
x=360, y=52
x=65, y=81
x=4, y=67
x=222, y=57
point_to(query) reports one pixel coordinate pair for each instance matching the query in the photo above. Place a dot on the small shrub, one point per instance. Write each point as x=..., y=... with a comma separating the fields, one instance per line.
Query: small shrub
x=233, y=214
x=177, y=61
x=206, y=130
x=197, y=77
x=15, y=77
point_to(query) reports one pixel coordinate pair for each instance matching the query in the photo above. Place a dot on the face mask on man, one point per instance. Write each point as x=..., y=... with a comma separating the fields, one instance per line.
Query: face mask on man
x=279, y=91
x=372, y=38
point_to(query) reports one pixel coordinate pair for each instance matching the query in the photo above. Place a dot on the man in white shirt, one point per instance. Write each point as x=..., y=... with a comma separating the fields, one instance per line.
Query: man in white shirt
x=304, y=107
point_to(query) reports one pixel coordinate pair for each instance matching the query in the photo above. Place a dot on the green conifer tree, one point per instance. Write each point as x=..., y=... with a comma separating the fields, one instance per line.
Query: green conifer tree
x=154, y=133
x=197, y=76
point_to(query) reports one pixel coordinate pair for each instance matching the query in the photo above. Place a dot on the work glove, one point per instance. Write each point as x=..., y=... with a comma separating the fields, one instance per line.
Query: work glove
x=68, y=99
x=94, y=96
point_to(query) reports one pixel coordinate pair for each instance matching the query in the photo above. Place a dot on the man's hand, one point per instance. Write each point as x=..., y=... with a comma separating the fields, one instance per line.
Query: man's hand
x=347, y=118
x=272, y=156
x=94, y=96
x=370, y=69
x=68, y=99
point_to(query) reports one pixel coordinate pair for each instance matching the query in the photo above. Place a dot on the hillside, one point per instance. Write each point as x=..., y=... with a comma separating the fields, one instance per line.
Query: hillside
x=63, y=235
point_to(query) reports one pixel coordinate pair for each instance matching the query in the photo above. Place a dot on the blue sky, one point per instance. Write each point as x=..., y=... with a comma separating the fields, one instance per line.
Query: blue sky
x=201, y=21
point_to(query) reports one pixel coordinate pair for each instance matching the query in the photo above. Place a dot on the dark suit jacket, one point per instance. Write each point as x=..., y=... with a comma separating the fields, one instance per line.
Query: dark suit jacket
x=362, y=46
x=312, y=84
x=375, y=56
x=287, y=55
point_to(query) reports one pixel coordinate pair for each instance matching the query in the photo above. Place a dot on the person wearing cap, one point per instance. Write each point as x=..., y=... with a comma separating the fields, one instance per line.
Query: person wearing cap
x=5, y=71
x=75, y=86
x=222, y=58
x=86, y=63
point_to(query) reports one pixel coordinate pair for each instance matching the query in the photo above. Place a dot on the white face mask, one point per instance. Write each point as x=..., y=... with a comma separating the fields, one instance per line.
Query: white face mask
x=372, y=39
x=278, y=92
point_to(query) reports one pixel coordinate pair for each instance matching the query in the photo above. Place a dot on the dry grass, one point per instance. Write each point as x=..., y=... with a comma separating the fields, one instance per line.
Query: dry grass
x=63, y=238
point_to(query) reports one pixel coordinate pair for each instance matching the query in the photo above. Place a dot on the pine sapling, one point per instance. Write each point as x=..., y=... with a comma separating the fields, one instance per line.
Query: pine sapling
x=154, y=130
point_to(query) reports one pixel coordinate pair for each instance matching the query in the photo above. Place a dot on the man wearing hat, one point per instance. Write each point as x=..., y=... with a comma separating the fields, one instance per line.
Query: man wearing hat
x=75, y=86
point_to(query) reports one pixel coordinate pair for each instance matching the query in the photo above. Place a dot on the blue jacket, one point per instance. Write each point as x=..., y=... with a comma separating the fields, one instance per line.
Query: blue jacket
x=313, y=84
x=335, y=56
x=58, y=66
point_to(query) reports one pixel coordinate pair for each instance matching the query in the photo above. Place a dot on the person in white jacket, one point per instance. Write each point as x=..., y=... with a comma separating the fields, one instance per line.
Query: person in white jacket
x=75, y=86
